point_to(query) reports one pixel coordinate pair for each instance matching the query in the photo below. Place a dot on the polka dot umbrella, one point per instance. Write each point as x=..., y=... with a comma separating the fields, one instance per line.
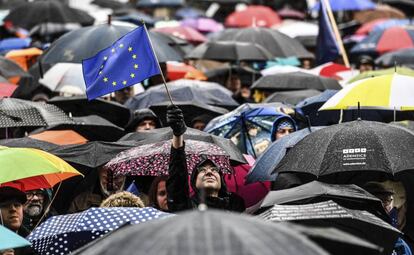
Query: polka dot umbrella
x=65, y=233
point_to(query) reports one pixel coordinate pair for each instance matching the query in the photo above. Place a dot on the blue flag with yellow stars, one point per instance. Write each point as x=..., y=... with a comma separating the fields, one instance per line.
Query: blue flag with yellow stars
x=126, y=62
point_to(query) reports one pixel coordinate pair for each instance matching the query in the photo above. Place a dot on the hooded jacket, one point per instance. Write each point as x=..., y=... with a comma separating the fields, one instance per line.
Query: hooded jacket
x=281, y=118
x=140, y=115
x=178, y=188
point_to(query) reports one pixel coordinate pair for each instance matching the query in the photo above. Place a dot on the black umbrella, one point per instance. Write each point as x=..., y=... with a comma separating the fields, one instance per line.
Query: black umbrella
x=80, y=106
x=190, y=110
x=92, y=127
x=354, y=146
x=295, y=81
x=112, y=4
x=22, y=113
x=408, y=124
x=291, y=97
x=329, y=214
x=9, y=68
x=163, y=134
x=183, y=91
x=160, y=3
x=30, y=14
x=205, y=232
x=28, y=142
x=221, y=74
x=404, y=57
x=278, y=44
x=178, y=44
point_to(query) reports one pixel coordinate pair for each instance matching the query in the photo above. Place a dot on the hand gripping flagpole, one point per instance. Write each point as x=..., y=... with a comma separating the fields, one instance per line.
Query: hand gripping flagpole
x=158, y=63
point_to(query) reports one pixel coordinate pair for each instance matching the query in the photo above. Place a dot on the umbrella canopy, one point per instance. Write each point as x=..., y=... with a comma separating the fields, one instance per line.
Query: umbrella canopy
x=133, y=16
x=295, y=29
x=60, y=137
x=19, y=163
x=177, y=70
x=13, y=239
x=22, y=113
x=370, y=74
x=28, y=142
x=66, y=233
x=14, y=43
x=349, y=5
x=278, y=44
x=9, y=69
x=204, y=25
x=184, y=32
x=24, y=57
x=165, y=134
x=294, y=81
x=403, y=5
x=387, y=92
x=112, y=4
x=189, y=13
x=221, y=74
x=267, y=162
x=291, y=97
x=253, y=16
x=65, y=78
x=230, y=51
x=183, y=91
x=160, y=3
x=153, y=159
x=80, y=106
x=7, y=89
x=30, y=14
x=383, y=41
x=228, y=233
x=329, y=69
x=404, y=57
x=365, y=146
x=329, y=213
x=381, y=11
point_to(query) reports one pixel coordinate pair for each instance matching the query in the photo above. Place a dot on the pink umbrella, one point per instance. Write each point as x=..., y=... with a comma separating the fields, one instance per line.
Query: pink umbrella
x=184, y=32
x=204, y=25
x=7, y=89
x=253, y=16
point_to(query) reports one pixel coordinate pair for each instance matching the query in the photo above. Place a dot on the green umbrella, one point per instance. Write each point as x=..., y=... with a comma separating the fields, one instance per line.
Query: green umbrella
x=370, y=74
x=13, y=240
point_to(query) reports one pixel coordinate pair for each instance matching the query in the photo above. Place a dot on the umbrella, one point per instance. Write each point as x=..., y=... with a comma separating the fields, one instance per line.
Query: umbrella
x=189, y=13
x=404, y=57
x=13, y=239
x=160, y=3
x=359, y=223
x=24, y=57
x=111, y=4
x=66, y=233
x=204, y=25
x=165, y=134
x=134, y=17
x=289, y=13
x=403, y=5
x=406, y=124
x=380, y=12
x=230, y=51
x=177, y=70
x=65, y=78
x=253, y=16
x=30, y=14
x=153, y=159
x=367, y=27
x=264, y=165
x=221, y=74
x=28, y=142
x=383, y=41
x=14, y=43
x=60, y=137
x=190, y=110
x=9, y=69
x=278, y=44
x=329, y=69
x=228, y=233
x=19, y=163
x=295, y=29
x=365, y=146
x=80, y=106
x=22, y=113
x=186, y=33
x=7, y=89
x=370, y=74
x=249, y=126
x=348, y=5
x=291, y=97
x=387, y=92
x=294, y=81
x=183, y=91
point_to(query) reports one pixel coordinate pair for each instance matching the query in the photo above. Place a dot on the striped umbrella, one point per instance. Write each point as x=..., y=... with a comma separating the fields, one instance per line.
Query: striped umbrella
x=386, y=92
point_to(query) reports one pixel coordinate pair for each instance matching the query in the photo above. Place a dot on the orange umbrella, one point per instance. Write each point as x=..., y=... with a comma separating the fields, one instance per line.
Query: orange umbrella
x=24, y=57
x=60, y=137
x=176, y=71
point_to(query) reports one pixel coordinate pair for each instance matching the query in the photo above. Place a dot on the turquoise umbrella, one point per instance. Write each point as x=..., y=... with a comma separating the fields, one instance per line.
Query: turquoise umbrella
x=11, y=240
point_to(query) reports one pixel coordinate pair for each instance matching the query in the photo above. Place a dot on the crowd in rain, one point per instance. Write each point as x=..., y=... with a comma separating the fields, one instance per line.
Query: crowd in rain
x=267, y=127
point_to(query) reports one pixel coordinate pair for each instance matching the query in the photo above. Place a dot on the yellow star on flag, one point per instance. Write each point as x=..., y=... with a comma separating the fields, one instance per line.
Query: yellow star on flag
x=136, y=66
x=105, y=79
x=129, y=49
x=114, y=83
x=124, y=82
x=121, y=45
x=105, y=58
x=113, y=50
x=132, y=75
x=134, y=56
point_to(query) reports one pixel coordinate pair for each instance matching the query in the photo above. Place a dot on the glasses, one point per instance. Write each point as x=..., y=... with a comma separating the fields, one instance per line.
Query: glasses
x=39, y=194
x=211, y=168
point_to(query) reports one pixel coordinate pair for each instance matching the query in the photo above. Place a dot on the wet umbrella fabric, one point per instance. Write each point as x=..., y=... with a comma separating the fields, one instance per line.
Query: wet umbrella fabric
x=186, y=33
x=359, y=223
x=22, y=113
x=9, y=69
x=253, y=16
x=404, y=57
x=291, y=97
x=221, y=74
x=13, y=239
x=28, y=142
x=66, y=233
x=65, y=78
x=294, y=81
x=153, y=159
x=160, y=3
x=353, y=146
x=165, y=134
x=183, y=91
x=228, y=234
x=349, y=5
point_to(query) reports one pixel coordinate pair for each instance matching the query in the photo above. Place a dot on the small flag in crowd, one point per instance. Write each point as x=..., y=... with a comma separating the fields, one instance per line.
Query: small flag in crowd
x=126, y=62
x=327, y=47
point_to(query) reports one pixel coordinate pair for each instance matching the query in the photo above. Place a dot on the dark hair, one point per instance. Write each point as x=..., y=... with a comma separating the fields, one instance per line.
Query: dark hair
x=153, y=190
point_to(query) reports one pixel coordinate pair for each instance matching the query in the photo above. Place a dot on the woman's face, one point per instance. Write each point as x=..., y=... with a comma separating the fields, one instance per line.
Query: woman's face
x=162, y=196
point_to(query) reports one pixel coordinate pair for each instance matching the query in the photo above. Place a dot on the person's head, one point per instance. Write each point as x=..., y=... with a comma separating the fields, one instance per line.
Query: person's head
x=306, y=63
x=386, y=195
x=282, y=127
x=143, y=120
x=36, y=203
x=109, y=183
x=234, y=84
x=200, y=122
x=158, y=193
x=11, y=207
x=365, y=63
x=121, y=96
x=208, y=178
x=122, y=199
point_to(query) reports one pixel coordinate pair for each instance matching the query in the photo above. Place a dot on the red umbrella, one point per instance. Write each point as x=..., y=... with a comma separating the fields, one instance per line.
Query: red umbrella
x=186, y=33
x=329, y=70
x=369, y=26
x=253, y=15
x=177, y=70
x=7, y=89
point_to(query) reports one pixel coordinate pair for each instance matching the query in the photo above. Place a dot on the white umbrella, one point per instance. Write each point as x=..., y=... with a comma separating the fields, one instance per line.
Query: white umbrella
x=65, y=78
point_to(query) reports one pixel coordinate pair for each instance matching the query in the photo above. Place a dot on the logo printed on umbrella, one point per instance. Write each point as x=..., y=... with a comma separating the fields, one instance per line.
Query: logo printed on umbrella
x=359, y=155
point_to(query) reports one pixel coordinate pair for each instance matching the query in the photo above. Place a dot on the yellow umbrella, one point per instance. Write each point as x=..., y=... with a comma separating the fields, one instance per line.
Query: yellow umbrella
x=385, y=92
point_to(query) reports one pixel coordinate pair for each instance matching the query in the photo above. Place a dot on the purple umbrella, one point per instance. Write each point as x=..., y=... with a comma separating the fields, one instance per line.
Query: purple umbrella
x=348, y=5
x=205, y=25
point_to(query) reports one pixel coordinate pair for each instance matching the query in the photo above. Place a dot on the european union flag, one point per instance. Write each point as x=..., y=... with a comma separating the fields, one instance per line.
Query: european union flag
x=327, y=48
x=126, y=62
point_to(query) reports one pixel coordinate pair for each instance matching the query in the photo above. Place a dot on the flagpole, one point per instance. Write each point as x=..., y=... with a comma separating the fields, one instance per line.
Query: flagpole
x=158, y=63
x=336, y=32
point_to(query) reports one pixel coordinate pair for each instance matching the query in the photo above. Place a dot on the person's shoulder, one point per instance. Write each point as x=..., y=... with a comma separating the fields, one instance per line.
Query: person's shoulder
x=236, y=203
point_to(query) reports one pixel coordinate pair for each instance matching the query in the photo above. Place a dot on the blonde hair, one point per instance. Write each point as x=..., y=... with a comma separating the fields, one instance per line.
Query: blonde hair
x=122, y=199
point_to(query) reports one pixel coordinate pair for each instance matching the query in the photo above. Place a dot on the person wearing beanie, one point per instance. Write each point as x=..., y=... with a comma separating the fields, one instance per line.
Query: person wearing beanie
x=282, y=126
x=142, y=120
x=206, y=180
x=365, y=63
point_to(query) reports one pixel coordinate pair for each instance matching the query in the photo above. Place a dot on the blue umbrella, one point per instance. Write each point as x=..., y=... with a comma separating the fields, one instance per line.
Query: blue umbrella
x=11, y=240
x=391, y=23
x=65, y=233
x=160, y=3
x=189, y=13
x=14, y=43
x=249, y=126
x=348, y=5
x=267, y=162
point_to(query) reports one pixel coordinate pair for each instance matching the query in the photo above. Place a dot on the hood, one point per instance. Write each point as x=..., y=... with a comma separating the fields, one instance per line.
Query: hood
x=140, y=115
x=281, y=118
